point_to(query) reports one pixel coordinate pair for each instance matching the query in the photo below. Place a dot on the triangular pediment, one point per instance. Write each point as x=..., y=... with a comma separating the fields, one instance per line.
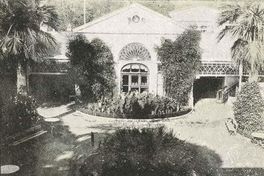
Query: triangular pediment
x=132, y=19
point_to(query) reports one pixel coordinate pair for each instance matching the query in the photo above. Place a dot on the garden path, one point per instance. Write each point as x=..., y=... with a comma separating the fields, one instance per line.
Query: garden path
x=205, y=127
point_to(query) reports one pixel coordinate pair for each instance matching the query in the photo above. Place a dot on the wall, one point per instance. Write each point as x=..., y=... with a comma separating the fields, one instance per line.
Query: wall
x=230, y=80
x=118, y=29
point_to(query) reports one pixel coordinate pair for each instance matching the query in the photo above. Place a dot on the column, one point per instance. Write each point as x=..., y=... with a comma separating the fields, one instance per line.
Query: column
x=190, y=102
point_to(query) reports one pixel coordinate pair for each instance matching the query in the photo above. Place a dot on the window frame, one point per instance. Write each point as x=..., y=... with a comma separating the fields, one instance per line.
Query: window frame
x=139, y=75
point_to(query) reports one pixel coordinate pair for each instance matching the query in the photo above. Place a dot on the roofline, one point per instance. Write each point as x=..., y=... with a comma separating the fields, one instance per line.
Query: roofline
x=168, y=18
x=117, y=12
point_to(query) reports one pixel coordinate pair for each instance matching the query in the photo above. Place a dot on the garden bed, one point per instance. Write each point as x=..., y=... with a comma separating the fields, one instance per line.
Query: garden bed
x=135, y=105
x=82, y=109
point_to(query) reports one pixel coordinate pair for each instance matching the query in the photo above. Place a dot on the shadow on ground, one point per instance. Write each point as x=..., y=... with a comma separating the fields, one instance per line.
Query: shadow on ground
x=61, y=153
x=243, y=171
x=52, y=154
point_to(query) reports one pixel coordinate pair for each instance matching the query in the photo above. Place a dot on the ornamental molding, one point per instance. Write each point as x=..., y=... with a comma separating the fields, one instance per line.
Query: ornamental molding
x=134, y=51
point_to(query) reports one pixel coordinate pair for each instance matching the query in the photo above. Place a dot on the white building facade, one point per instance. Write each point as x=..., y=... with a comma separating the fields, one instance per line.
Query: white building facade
x=132, y=34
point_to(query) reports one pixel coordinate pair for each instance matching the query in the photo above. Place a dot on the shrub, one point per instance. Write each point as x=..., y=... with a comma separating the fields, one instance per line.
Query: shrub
x=249, y=108
x=23, y=112
x=151, y=152
x=180, y=60
x=135, y=105
x=92, y=67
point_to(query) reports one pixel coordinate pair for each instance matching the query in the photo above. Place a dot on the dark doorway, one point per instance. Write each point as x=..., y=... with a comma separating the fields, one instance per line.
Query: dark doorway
x=207, y=87
x=51, y=88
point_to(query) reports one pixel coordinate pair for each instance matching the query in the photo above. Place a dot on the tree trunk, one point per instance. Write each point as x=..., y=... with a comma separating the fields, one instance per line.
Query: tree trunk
x=21, y=79
x=253, y=74
x=190, y=101
x=240, y=75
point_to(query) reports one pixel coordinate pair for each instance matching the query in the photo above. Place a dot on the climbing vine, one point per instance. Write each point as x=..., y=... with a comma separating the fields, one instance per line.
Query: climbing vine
x=180, y=60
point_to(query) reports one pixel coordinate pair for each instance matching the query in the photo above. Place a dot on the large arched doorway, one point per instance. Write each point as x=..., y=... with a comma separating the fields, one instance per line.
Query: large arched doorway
x=134, y=77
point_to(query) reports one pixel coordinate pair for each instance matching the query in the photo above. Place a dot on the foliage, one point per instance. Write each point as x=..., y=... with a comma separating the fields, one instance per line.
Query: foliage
x=245, y=24
x=249, y=108
x=163, y=7
x=21, y=32
x=180, y=60
x=22, y=112
x=22, y=39
x=71, y=12
x=92, y=67
x=152, y=152
x=7, y=65
x=136, y=105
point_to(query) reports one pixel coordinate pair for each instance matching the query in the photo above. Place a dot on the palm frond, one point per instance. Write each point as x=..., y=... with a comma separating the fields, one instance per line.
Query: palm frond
x=256, y=50
x=225, y=31
x=20, y=31
x=240, y=51
x=49, y=16
x=245, y=24
x=229, y=14
x=45, y=42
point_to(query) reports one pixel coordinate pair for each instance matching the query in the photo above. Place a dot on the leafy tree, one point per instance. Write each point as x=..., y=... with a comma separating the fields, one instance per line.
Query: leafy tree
x=92, y=67
x=244, y=22
x=71, y=12
x=180, y=60
x=21, y=38
x=163, y=7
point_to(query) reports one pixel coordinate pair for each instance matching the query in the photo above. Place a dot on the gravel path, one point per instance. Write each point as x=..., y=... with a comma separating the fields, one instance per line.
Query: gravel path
x=205, y=127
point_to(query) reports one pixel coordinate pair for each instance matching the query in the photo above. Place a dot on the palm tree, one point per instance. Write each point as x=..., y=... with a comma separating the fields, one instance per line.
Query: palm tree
x=244, y=22
x=21, y=36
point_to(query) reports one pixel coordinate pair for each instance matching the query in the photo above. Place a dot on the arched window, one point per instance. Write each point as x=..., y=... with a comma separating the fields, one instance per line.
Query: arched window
x=134, y=51
x=134, y=78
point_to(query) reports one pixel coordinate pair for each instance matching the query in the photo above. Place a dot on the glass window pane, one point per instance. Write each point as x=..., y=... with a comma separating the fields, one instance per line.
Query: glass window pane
x=134, y=80
x=134, y=89
x=126, y=68
x=125, y=89
x=144, y=80
x=135, y=68
x=143, y=90
x=143, y=68
x=125, y=79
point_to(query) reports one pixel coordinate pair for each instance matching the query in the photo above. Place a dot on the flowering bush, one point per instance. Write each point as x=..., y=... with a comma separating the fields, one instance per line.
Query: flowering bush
x=23, y=112
x=135, y=105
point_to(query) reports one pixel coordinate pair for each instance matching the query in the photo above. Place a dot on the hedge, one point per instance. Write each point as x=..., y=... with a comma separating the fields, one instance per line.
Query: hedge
x=249, y=108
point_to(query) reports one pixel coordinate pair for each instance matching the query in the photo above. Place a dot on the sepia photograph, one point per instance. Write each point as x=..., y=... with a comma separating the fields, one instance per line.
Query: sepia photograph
x=132, y=87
